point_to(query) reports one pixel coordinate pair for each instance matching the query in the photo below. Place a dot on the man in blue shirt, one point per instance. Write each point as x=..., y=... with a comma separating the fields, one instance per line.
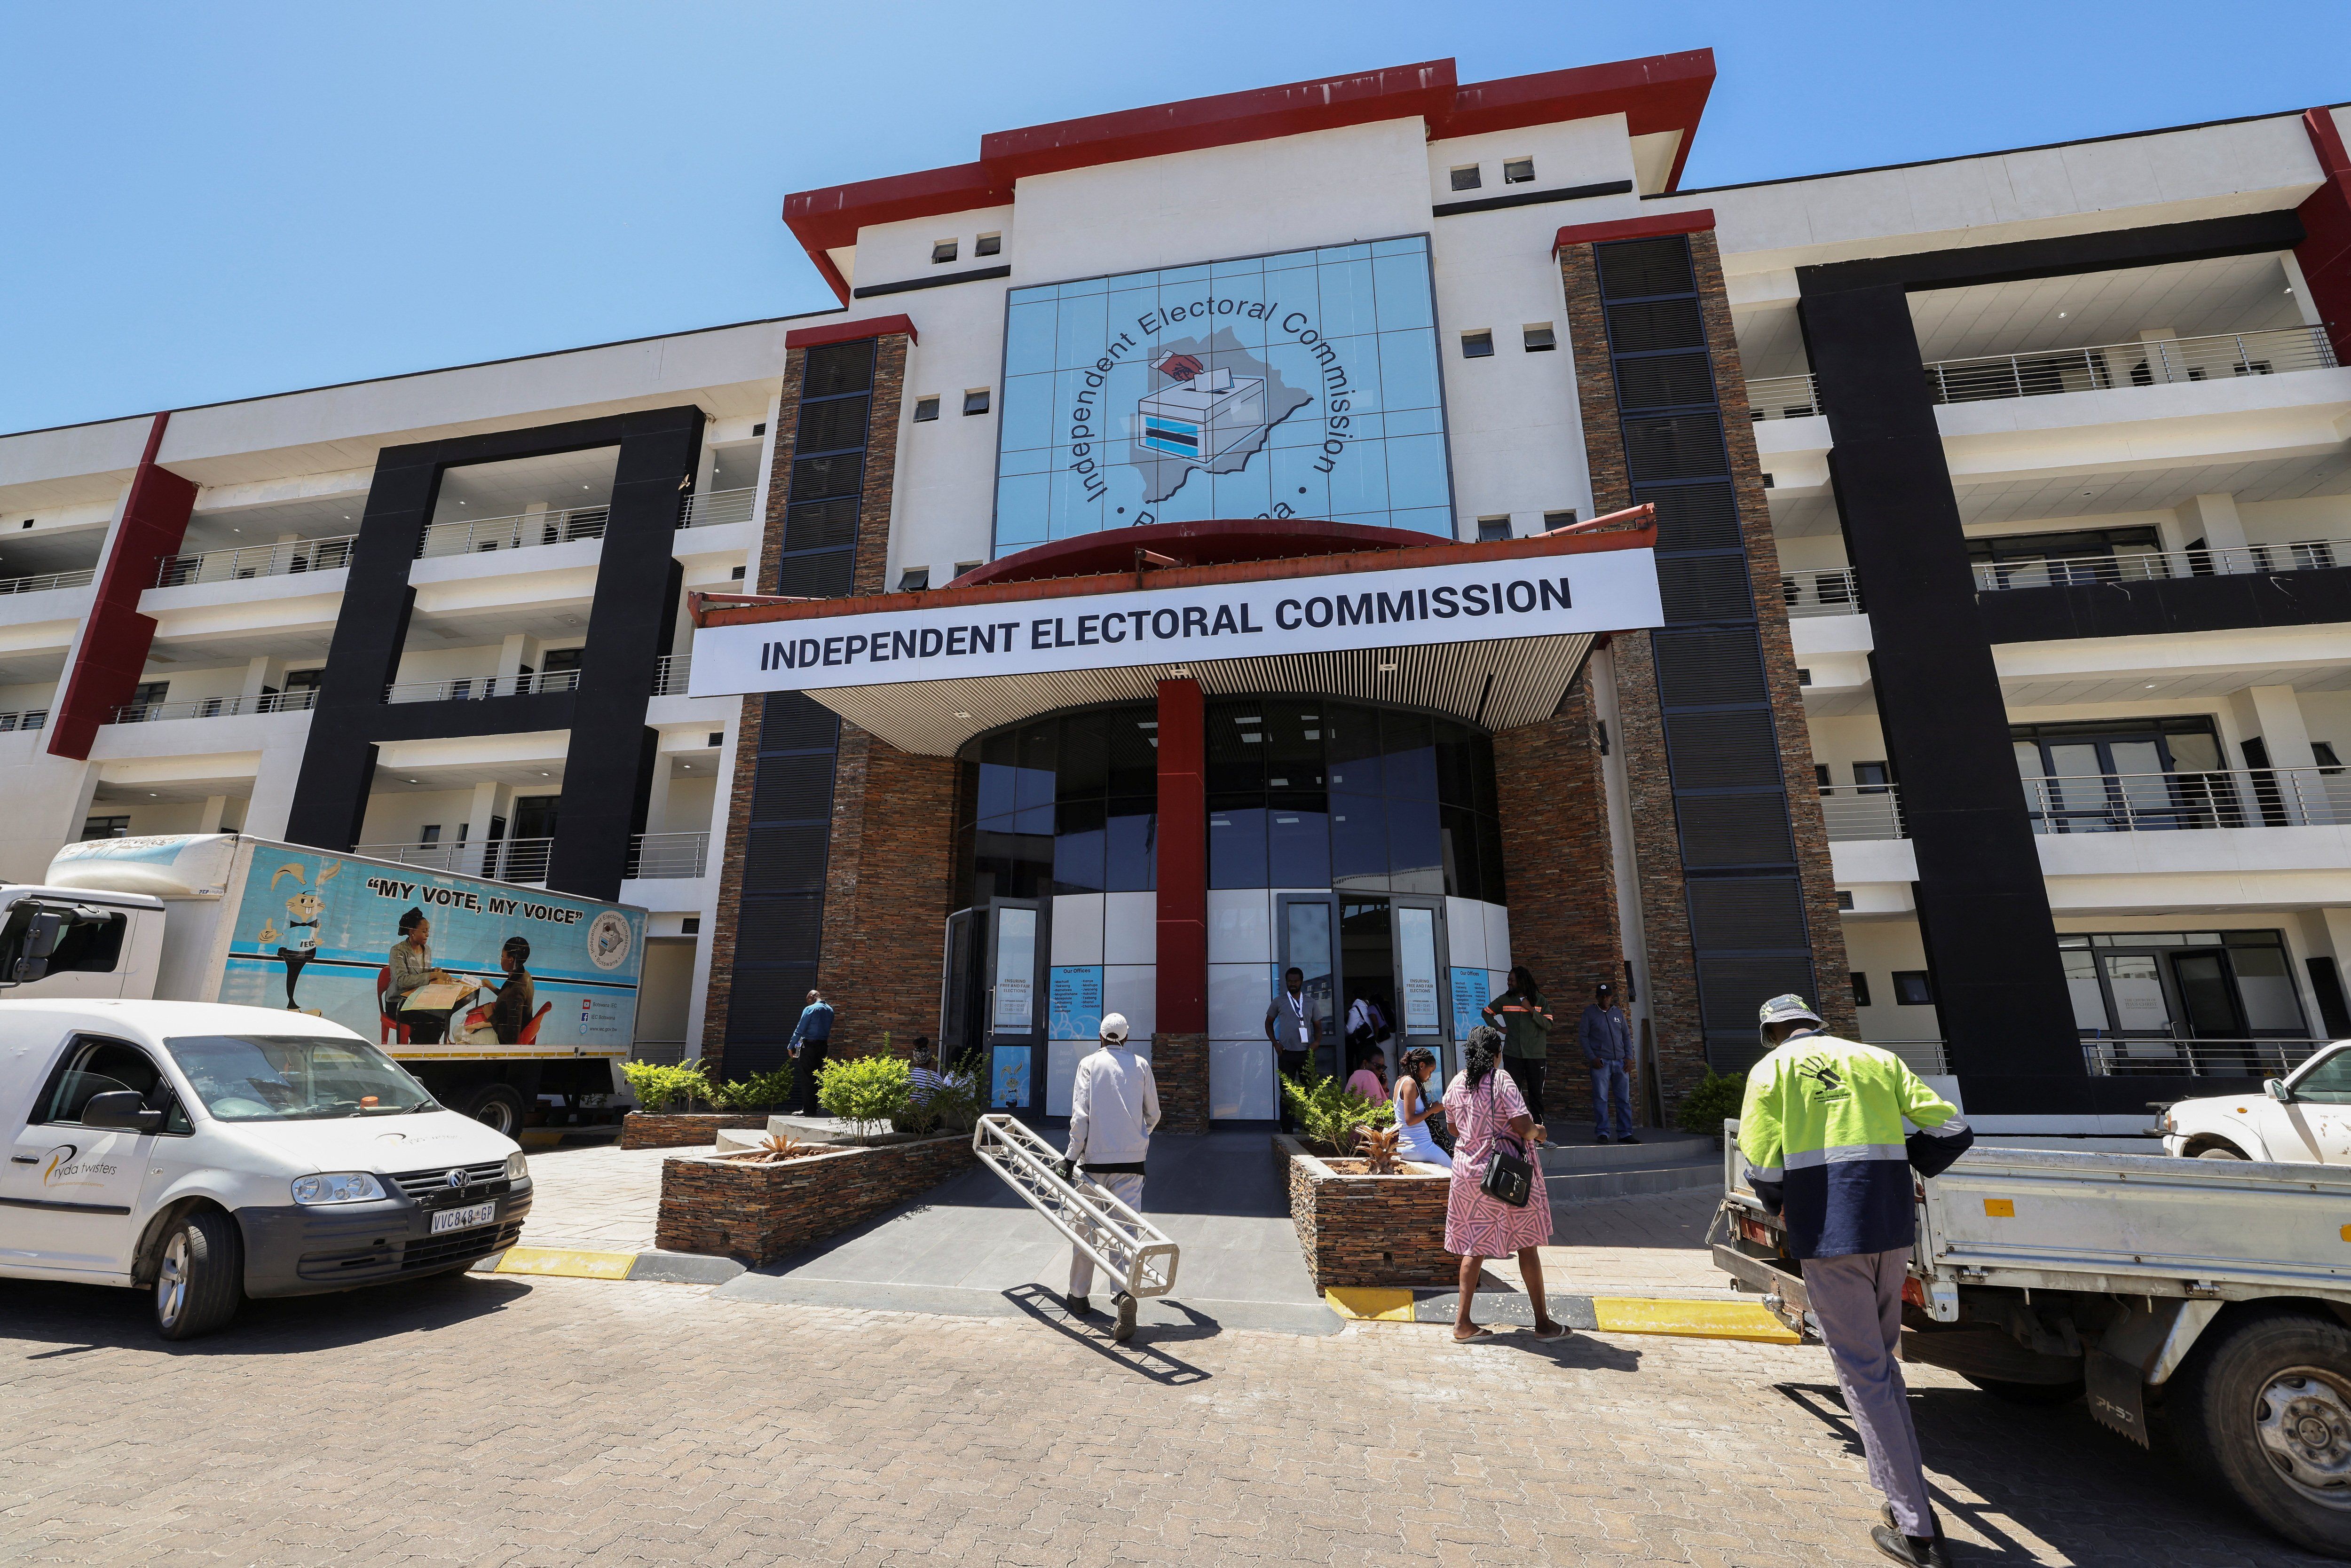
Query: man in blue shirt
x=1606, y=1036
x=812, y=1037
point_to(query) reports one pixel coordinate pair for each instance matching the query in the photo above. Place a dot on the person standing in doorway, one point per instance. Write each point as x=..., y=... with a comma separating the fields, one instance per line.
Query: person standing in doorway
x=812, y=1039
x=1526, y=1034
x=1294, y=1029
x=1607, y=1036
x=1113, y=1106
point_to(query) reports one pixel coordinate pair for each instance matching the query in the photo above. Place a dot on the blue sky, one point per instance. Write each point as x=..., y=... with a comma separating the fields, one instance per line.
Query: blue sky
x=212, y=202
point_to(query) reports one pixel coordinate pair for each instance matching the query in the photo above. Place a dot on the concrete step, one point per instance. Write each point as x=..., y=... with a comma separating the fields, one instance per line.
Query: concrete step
x=1571, y=1149
x=1584, y=1186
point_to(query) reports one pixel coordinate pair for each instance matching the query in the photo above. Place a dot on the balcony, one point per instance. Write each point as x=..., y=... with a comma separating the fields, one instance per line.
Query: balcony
x=2112, y=1058
x=501, y=859
x=256, y=560
x=46, y=580
x=668, y=855
x=513, y=533
x=1924, y=1057
x=1810, y=593
x=300, y=700
x=1784, y=397
x=30, y=718
x=718, y=506
x=671, y=675
x=2155, y=566
x=2163, y=362
x=472, y=688
x=1853, y=812
x=2187, y=802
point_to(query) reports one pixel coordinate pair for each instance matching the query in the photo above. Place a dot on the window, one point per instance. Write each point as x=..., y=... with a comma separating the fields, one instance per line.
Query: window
x=1820, y=774
x=943, y=250
x=2085, y=555
x=1539, y=339
x=1911, y=988
x=987, y=245
x=1844, y=898
x=1860, y=990
x=1559, y=519
x=1477, y=345
x=430, y=833
x=925, y=410
x=976, y=401
x=914, y=580
x=1518, y=171
x=1803, y=677
x=95, y=1067
x=1872, y=777
x=106, y=827
x=1465, y=178
x=2328, y=1083
x=1491, y=528
x=148, y=694
x=304, y=679
x=716, y=738
x=736, y=575
x=556, y=659
x=2322, y=753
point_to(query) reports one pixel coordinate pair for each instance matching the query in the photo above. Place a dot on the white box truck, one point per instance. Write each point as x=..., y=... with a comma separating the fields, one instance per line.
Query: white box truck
x=223, y=917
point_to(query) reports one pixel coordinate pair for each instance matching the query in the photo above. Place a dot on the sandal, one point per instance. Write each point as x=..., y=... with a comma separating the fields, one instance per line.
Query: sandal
x=1558, y=1332
x=1482, y=1332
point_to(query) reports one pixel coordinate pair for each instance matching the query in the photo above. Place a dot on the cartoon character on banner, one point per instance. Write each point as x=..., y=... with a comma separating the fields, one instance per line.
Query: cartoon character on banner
x=299, y=943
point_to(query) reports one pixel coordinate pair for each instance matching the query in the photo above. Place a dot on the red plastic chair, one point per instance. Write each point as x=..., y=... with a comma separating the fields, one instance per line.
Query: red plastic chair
x=389, y=1026
x=479, y=1018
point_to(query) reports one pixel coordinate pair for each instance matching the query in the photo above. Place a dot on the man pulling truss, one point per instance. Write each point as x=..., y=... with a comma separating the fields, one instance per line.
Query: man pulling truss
x=1113, y=1105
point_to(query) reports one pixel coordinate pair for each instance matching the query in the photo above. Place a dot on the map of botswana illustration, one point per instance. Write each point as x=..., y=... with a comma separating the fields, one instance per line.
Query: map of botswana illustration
x=1211, y=406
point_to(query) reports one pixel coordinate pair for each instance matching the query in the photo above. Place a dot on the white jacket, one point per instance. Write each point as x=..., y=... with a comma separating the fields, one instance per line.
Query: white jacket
x=1113, y=1105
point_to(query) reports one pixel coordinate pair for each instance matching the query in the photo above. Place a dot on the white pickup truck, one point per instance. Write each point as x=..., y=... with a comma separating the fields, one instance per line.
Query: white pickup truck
x=2304, y=1117
x=2210, y=1301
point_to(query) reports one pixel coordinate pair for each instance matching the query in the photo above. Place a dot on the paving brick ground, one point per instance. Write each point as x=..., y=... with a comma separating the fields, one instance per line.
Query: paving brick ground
x=497, y=1421
x=597, y=1195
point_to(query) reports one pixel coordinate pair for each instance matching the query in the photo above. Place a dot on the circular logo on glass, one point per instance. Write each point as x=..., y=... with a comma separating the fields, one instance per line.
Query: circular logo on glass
x=609, y=939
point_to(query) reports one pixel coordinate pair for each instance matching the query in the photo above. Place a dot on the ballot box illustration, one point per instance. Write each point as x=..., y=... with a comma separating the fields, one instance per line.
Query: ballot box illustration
x=1203, y=414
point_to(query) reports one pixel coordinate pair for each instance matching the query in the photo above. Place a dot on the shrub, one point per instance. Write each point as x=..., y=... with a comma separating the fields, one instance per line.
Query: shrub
x=961, y=1100
x=760, y=1091
x=659, y=1087
x=865, y=1090
x=1714, y=1100
x=1327, y=1113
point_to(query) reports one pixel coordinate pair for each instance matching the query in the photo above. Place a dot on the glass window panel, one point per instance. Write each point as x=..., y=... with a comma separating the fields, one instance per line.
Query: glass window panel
x=2194, y=753
x=1078, y=846
x=1293, y=745
x=1359, y=842
x=1237, y=841
x=2265, y=986
x=1297, y=840
x=2135, y=756
x=1016, y=970
x=1236, y=737
x=1408, y=748
x=1035, y=785
x=1350, y=739
x=1417, y=970
x=2329, y=1082
x=1133, y=759
x=997, y=795
x=1459, y=829
x=1306, y=946
x=1457, y=764
x=1082, y=770
x=1416, y=847
x=1130, y=860
x=1490, y=865
x=2082, y=985
x=2140, y=1006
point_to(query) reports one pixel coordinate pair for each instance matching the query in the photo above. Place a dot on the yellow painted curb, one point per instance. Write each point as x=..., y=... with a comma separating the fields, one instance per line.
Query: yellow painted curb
x=1697, y=1320
x=1378, y=1303
x=568, y=1262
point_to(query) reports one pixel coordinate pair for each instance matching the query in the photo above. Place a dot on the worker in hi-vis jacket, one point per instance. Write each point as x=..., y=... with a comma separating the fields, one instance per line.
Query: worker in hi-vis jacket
x=1821, y=1133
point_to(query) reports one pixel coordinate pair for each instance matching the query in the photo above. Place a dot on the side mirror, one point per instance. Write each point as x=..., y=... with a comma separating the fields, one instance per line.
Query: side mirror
x=2278, y=1090
x=121, y=1111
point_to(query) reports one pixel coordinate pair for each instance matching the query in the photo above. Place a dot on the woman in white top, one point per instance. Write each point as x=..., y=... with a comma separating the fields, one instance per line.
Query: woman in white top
x=1413, y=1107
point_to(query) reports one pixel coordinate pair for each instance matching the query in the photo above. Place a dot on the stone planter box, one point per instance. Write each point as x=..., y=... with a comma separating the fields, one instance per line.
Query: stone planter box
x=681, y=1130
x=753, y=1212
x=1356, y=1229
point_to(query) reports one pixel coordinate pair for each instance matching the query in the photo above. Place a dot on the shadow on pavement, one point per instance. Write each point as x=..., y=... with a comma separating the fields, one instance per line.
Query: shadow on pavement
x=1141, y=1355
x=77, y=1318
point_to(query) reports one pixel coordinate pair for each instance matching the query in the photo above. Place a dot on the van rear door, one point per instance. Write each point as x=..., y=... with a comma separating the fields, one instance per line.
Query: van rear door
x=72, y=1191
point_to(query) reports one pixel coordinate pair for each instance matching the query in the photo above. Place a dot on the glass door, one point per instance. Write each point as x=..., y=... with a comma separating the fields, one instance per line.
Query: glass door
x=1013, y=1013
x=1420, y=970
x=1309, y=927
x=961, y=991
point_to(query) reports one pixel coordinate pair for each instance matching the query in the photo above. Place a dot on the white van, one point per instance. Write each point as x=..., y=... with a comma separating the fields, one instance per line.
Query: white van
x=211, y=1152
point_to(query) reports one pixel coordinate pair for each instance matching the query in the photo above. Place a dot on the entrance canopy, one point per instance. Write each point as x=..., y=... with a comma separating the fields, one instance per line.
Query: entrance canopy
x=1490, y=632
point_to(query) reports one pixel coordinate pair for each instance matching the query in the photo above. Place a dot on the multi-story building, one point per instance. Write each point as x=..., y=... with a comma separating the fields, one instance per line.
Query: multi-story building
x=1995, y=689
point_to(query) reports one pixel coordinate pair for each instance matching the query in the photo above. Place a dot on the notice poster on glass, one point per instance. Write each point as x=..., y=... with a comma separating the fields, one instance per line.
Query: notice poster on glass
x=1077, y=1002
x=1417, y=970
x=1008, y=1090
x=1469, y=993
x=1014, y=1011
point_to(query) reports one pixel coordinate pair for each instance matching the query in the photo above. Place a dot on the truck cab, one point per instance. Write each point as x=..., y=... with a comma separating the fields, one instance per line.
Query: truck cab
x=2304, y=1118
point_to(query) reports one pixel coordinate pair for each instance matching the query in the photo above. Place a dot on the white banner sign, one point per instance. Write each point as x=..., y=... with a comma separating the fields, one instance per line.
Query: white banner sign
x=1468, y=601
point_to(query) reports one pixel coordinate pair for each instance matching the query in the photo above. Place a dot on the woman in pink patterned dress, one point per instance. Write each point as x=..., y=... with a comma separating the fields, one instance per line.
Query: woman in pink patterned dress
x=1485, y=1108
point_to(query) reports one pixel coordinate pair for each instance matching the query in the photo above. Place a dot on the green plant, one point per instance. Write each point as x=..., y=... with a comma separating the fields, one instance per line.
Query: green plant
x=1327, y=1111
x=960, y=1100
x=660, y=1087
x=761, y=1092
x=865, y=1090
x=1714, y=1100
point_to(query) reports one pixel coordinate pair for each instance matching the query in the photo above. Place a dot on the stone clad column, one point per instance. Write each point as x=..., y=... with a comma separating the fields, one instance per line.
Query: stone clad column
x=1179, y=1051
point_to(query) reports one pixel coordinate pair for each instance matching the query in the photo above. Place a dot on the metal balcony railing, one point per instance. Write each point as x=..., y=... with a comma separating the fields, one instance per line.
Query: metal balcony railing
x=1820, y=593
x=30, y=718
x=1922, y=1055
x=717, y=507
x=670, y=673
x=2176, y=802
x=2119, y=1058
x=298, y=701
x=2046, y=371
x=472, y=688
x=258, y=561
x=513, y=533
x=668, y=854
x=2141, y=565
x=502, y=859
x=1784, y=397
x=1854, y=812
x=48, y=579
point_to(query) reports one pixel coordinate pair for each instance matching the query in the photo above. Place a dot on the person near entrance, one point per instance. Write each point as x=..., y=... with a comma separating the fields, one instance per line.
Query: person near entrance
x=1820, y=1135
x=811, y=1037
x=1113, y=1105
x=1607, y=1036
x=1488, y=1116
x=1294, y=1029
x=1415, y=1112
x=1518, y=1013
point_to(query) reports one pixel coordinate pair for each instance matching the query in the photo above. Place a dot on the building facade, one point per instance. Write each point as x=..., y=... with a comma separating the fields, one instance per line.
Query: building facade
x=2046, y=450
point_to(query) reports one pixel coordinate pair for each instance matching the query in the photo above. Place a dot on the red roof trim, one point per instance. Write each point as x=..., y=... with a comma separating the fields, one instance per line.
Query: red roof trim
x=1203, y=543
x=1650, y=227
x=849, y=333
x=1662, y=93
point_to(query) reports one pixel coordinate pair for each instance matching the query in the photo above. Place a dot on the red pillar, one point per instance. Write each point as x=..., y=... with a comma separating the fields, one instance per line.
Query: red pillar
x=1180, y=1046
x=114, y=644
x=2325, y=213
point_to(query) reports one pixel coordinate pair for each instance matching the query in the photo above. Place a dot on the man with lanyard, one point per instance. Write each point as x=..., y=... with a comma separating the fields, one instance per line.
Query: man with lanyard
x=1821, y=1133
x=1291, y=1024
x=1113, y=1105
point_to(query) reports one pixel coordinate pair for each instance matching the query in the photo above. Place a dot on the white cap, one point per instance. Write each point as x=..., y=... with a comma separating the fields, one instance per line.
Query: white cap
x=1113, y=1026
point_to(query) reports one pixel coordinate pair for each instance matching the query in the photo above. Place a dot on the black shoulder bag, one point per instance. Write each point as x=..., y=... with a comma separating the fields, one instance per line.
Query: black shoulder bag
x=1508, y=1177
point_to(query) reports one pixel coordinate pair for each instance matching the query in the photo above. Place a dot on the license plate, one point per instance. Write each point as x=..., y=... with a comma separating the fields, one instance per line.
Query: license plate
x=463, y=1218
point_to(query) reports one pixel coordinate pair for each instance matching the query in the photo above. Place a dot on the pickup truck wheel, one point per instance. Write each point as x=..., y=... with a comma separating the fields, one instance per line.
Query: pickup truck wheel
x=199, y=1276
x=498, y=1107
x=2029, y=1393
x=2265, y=1410
x=2219, y=1152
